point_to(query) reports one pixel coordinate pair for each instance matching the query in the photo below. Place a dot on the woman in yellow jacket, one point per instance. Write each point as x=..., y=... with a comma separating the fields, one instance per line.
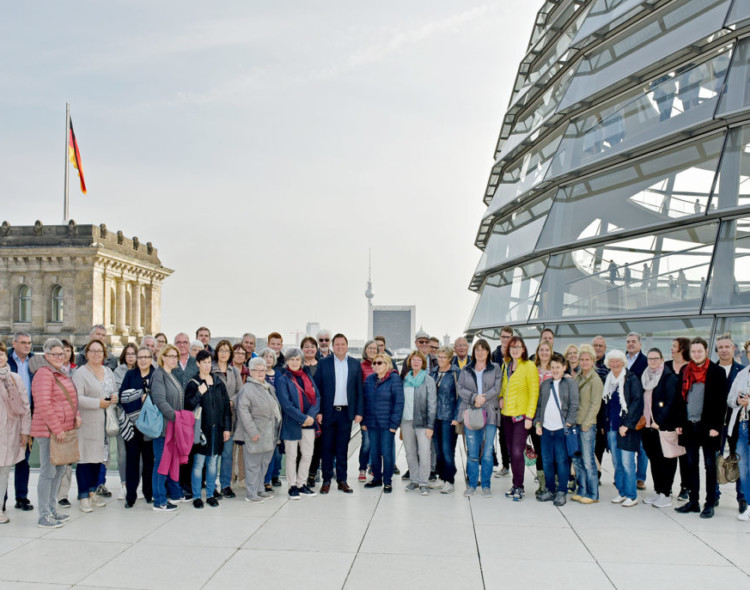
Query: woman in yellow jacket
x=518, y=399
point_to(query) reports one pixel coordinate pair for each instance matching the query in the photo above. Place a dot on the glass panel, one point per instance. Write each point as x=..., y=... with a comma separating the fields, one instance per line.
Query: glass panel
x=507, y=295
x=674, y=101
x=24, y=304
x=678, y=25
x=648, y=191
x=738, y=328
x=524, y=174
x=516, y=234
x=603, y=14
x=733, y=184
x=730, y=276
x=663, y=272
x=736, y=94
x=739, y=14
x=56, y=314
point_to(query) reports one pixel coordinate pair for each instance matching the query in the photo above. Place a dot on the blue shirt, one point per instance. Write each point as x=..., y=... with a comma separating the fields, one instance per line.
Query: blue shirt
x=341, y=368
x=23, y=372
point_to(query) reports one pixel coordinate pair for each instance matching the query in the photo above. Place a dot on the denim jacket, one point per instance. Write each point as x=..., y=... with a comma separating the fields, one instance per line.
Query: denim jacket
x=447, y=397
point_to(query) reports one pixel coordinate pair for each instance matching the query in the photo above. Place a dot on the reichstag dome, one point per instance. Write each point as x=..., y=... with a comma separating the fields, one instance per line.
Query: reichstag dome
x=619, y=197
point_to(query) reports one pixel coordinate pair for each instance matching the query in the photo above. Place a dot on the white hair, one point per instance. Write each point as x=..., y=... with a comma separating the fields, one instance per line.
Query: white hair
x=323, y=333
x=51, y=343
x=614, y=354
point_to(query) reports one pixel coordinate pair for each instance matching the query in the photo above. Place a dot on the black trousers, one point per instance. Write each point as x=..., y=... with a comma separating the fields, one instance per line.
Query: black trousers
x=696, y=440
x=139, y=460
x=662, y=469
x=504, y=454
x=337, y=430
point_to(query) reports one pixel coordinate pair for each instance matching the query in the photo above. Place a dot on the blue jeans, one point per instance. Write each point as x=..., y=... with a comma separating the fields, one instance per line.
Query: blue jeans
x=480, y=441
x=642, y=464
x=445, y=443
x=381, y=453
x=87, y=477
x=555, y=459
x=196, y=479
x=364, y=450
x=225, y=475
x=163, y=483
x=743, y=448
x=624, y=462
x=587, y=479
x=274, y=467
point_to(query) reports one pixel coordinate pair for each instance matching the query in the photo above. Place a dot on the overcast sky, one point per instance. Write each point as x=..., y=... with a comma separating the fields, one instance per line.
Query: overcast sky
x=263, y=147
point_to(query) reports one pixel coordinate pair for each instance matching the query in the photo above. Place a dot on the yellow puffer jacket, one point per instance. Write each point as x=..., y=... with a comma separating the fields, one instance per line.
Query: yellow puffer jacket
x=520, y=393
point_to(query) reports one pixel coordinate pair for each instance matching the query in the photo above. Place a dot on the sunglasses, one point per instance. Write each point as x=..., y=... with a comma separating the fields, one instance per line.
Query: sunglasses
x=379, y=363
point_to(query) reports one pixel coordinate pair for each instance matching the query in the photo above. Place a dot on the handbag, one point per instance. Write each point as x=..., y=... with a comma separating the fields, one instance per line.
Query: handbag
x=572, y=442
x=111, y=421
x=150, y=421
x=670, y=447
x=475, y=418
x=198, y=437
x=641, y=423
x=529, y=455
x=728, y=468
x=65, y=452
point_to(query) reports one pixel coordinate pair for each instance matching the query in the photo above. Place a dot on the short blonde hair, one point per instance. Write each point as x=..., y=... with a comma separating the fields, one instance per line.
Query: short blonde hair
x=446, y=350
x=586, y=349
x=164, y=350
x=567, y=350
x=386, y=358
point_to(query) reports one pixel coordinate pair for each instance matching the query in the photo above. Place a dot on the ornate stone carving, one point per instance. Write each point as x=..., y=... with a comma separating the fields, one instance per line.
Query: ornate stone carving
x=5, y=228
x=72, y=228
x=136, y=243
x=103, y=230
x=38, y=228
x=120, y=236
x=149, y=247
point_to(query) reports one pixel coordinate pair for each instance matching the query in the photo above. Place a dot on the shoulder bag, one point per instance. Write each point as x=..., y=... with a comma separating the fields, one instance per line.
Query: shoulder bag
x=670, y=447
x=572, y=443
x=150, y=421
x=65, y=452
x=728, y=468
x=111, y=420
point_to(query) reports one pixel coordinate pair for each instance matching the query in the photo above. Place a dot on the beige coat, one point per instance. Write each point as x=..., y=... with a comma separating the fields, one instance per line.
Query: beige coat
x=93, y=443
x=13, y=426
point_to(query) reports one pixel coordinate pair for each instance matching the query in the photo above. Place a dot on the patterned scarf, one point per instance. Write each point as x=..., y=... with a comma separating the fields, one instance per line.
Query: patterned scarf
x=613, y=384
x=14, y=405
x=308, y=389
x=693, y=374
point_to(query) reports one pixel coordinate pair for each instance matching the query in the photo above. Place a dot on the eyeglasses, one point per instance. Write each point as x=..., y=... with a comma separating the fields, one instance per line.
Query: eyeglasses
x=170, y=356
x=95, y=351
x=56, y=355
x=242, y=352
x=324, y=339
x=378, y=363
x=654, y=358
x=130, y=353
x=516, y=347
x=144, y=358
x=422, y=341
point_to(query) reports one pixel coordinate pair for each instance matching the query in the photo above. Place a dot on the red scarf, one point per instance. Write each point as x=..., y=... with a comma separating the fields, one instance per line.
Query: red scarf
x=309, y=389
x=693, y=374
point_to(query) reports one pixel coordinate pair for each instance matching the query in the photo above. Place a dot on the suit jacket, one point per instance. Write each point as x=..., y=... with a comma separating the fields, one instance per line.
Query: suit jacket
x=325, y=379
x=640, y=365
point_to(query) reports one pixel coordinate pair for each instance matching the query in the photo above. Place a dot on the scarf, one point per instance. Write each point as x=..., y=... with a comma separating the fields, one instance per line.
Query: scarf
x=414, y=381
x=308, y=388
x=613, y=384
x=693, y=374
x=650, y=379
x=9, y=392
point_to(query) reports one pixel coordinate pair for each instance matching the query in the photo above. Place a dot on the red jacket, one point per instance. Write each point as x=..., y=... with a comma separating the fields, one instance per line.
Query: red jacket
x=51, y=408
x=178, y=444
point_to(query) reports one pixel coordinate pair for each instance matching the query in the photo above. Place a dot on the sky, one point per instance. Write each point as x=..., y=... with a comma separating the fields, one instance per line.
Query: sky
x=265, y=147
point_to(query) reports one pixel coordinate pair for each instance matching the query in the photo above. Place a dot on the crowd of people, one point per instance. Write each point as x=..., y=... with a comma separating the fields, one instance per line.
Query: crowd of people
x=187, y=417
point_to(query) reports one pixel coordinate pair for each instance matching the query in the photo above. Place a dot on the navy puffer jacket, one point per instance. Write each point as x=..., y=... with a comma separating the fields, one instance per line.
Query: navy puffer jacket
x=384, y=402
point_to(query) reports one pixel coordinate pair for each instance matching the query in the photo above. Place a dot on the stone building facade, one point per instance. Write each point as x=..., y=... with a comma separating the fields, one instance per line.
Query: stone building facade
x=59, y=280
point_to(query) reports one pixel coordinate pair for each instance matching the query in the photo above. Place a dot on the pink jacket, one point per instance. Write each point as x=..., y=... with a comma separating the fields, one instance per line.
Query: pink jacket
x=178, y=444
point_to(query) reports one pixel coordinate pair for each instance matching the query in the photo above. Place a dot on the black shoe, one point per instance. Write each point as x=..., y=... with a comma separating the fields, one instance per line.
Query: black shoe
x=373, y=484
x=433, y=476
x=306, y=491
x=198, y=503
x=65, y=503
x=684, y=494
x=127, y=505
x=24, y=504
x=742, y=504
x=311, y=481
x=103, y=491
x=268, y=487
x=217, y=494
x=228, y=493
x=688, y=507
x=708, y=511
x=396, y=470
x=276, y=482
x=213, y=502
x=188, y=496
x=406, y=475
x=387, y=489
x=149, y=500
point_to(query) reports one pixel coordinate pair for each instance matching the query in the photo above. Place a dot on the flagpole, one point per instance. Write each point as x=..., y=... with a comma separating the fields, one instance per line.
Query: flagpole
x=66, y=204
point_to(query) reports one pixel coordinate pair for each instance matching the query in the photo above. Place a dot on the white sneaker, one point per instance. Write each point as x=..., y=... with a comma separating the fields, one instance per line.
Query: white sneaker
x=448, y=488
x=4, y=518
x=96, y=501
x=123, y=492
x=629, y=502
x=85, y=505
x=618, y=499
x=744, y=515
x=438, y=484
x=651, y=498
x=662, y=501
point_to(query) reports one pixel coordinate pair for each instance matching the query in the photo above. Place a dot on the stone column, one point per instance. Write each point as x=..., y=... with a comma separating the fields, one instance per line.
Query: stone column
x=121, y=302
x=135, y=308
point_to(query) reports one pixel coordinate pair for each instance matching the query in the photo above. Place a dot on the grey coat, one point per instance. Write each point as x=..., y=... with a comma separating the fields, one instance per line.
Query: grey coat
x=467, y=391
x=569, y=400
x=258, y=414
x=167, y=395
x=93, y=442
x=233, y=383
x=425, y=404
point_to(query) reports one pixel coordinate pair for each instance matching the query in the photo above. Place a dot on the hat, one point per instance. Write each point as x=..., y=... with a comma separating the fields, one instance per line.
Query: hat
x=421, y=334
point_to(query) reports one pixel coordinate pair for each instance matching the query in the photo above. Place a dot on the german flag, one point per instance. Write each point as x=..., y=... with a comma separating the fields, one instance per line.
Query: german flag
x=75, y=156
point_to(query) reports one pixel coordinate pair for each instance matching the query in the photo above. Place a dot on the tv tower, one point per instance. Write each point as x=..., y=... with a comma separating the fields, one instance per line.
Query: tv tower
x=369, y=294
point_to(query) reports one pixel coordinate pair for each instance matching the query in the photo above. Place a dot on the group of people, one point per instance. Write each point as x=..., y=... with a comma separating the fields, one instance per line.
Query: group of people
x=228, y=415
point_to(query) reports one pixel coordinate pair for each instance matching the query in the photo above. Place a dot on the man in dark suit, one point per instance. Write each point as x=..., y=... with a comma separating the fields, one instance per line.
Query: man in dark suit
x=339, y=379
